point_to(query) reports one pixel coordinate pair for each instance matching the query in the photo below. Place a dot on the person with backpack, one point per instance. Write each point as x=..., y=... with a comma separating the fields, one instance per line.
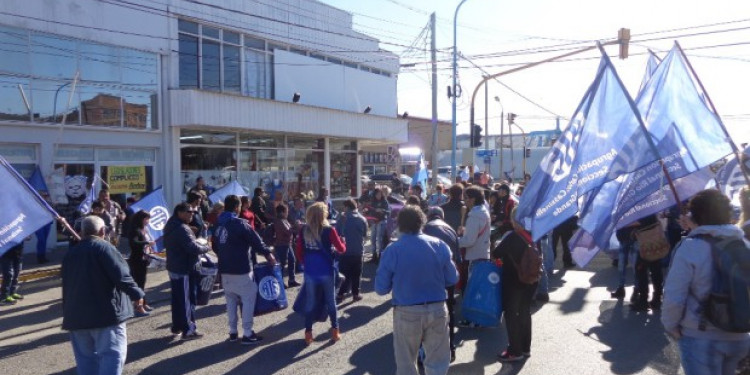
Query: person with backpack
x=522, y=270
x=708, y=344
x=318, y=246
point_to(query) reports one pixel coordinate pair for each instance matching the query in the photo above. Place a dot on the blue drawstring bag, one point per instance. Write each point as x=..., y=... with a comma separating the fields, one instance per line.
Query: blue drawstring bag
x=271, y=294
x=482, y=300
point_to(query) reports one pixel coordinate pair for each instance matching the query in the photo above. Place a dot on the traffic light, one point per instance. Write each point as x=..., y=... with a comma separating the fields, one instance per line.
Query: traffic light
x=476, y=136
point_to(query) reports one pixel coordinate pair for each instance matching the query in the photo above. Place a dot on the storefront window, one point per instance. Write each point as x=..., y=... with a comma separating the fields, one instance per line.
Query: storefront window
x=305, y=173
x=262, y=168
x=217, y=166
x=208, y=137
x=343, y=174
x=261, y=140
x=305, y=143
x=342, y=145
x=126, y=154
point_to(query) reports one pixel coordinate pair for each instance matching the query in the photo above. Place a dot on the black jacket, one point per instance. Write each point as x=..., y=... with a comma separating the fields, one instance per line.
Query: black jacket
x=97, y=288
x=452, y=211
x=183, y=251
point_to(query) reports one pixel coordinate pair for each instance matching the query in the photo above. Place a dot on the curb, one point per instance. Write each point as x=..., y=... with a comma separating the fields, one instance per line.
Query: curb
x=39, y=274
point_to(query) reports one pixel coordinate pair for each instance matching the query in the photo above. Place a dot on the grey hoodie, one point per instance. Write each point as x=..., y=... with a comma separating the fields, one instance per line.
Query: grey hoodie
x=689, y=283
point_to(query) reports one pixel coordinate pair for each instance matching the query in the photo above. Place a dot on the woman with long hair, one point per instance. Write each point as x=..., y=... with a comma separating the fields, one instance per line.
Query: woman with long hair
x=141, y=245
x=317, y=247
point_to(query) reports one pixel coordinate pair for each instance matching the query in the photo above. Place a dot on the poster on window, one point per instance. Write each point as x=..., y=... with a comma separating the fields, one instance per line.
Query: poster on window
x=126, y=179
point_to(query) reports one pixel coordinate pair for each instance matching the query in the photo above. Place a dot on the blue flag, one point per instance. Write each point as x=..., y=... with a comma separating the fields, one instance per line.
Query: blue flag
x=37, y=181
x=420, y=176
x=689, y=138
x=603, y=141
x=730, y=179
x=24, y=211
x=85, y=206
x=651, y=66
x=233, y=187
x=155, y=204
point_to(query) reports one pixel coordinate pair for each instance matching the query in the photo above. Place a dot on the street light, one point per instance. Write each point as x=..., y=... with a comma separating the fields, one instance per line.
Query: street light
x=453, y=107
x=54, y=105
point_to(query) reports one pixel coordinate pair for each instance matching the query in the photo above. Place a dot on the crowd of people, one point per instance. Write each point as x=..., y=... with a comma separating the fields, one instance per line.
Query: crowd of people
x=446, y=234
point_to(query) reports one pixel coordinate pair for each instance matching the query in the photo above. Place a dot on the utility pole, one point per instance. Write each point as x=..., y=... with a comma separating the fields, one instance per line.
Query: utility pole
x=455, y=73
x=435, y=145
x=486, y=127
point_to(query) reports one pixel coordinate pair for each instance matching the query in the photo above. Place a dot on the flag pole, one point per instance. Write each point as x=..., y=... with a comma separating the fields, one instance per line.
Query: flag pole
x=716, y=113
x=642, y=125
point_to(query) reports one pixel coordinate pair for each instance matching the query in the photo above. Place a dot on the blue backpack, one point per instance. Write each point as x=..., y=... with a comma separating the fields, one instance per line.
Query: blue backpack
x=728, y=305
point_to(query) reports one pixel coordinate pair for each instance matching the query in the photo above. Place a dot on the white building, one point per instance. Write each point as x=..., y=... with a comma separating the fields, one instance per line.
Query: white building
x=178, y=89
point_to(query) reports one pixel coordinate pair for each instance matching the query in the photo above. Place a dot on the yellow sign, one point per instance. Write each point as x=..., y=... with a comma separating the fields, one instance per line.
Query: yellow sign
x=126, y=179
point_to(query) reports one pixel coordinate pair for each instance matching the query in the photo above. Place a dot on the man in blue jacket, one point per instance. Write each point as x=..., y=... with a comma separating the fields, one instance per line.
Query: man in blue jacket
x=97, y=292
x=234, y=241
x=183, y=263
x=417, y=268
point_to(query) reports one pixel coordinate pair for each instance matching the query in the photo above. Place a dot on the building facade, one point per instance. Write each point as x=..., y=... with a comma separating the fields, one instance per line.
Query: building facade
x=270, y=94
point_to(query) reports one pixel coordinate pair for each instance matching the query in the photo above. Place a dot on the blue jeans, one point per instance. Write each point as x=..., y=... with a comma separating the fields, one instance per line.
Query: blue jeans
x=285, y=255
x=711, y=357
x=41, y=240
x=378, y=231
x=100, y=351
x=320, y=290
x=11, y=268
x=547, y=264
x=628, y=251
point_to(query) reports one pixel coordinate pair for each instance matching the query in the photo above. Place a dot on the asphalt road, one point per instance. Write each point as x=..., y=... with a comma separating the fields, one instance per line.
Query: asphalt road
x=580, y=331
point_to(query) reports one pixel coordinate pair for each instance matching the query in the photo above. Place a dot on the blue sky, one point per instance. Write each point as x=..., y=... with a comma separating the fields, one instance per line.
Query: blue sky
x=498, y=35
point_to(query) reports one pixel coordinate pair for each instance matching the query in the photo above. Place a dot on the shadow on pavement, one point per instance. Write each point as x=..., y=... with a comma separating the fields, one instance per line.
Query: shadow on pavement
x=12, y=350
x=635, y=340
x=374, y=358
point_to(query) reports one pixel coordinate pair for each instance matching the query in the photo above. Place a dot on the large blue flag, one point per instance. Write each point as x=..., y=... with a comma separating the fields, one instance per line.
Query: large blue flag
x=23, y=212
x=689, y=138
x=233, y=187
x=603, y=141
x=155, y=204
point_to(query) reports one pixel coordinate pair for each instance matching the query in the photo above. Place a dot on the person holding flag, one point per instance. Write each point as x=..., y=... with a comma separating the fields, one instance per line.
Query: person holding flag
x=37, y=182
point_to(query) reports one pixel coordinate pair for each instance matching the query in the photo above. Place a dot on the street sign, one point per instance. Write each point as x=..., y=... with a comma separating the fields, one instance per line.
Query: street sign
x=486, y=153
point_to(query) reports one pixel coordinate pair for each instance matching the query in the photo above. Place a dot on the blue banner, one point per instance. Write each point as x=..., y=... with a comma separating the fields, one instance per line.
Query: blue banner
x=233, y=187
x=689, y=138
x=23, y=212
x=155, y=204
x=603, y=141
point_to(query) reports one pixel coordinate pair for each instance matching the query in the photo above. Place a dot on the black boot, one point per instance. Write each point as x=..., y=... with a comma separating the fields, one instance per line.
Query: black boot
x=655, y=302
x=619, y=293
